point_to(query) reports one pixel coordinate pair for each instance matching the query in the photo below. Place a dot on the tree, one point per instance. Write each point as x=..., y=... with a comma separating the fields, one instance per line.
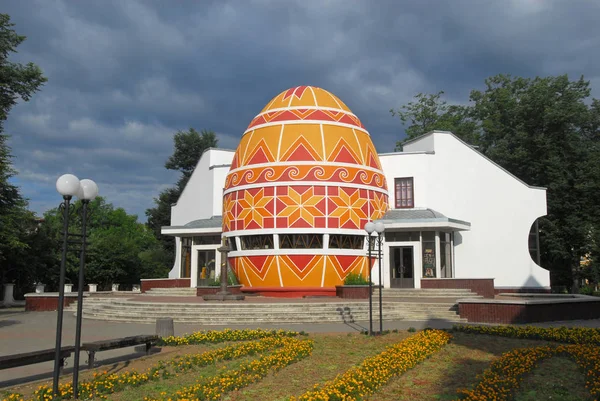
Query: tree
x=188, y=147
x=121, y=250
x=17, y=81
x=545, y=132
x=430, y=112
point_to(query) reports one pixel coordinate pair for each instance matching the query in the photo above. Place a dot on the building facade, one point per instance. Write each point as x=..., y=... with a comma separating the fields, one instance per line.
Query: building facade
x=293, y=199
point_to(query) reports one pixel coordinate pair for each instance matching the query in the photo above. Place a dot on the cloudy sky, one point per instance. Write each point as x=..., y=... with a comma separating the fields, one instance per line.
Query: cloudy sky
x=124, y=75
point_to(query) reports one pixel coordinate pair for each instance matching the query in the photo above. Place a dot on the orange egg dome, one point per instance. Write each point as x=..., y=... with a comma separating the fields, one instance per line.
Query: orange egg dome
x=304, y=181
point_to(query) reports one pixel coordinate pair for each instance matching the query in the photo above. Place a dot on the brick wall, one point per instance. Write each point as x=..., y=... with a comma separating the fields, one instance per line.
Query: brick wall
x=165, y=283
x=47, y=303
x=508, y=313
x=523, y=290
x=481, y=286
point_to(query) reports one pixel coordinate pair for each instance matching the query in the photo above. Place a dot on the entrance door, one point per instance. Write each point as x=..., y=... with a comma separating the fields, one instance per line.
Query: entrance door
x=402, y=266
x=206, y=266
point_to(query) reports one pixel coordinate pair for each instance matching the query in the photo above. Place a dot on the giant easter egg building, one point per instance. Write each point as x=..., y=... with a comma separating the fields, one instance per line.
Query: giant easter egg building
x=303, y=182
x=292, y=201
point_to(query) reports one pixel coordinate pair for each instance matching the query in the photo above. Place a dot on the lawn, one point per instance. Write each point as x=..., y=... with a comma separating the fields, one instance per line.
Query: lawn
x=459, y=364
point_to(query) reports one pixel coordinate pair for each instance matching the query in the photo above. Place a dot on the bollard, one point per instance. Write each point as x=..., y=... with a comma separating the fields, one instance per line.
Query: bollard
x=164, y=327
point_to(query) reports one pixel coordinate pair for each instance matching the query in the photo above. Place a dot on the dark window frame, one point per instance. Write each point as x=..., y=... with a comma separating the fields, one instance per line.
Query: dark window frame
x=409, y=183
x=256, y=242
x=300, y=241
x=343, y=241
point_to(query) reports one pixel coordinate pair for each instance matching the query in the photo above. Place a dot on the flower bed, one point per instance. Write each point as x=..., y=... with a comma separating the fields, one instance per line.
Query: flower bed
x=571, y=335
x=505, y=375
x=103, y=384
x=376, y=371
x=214, y=388
x=213, y=336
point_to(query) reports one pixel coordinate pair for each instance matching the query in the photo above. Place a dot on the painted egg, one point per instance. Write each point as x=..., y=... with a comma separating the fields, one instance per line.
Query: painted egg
x=304, y=181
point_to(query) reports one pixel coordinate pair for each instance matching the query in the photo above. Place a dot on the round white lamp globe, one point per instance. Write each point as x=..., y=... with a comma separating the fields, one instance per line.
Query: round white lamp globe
x=67, y=185
x=88, y=191
x=370, y=227
x=379, y=227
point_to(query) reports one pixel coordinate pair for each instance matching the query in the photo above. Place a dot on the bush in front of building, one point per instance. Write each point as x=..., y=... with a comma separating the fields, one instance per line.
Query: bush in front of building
x=355, y=279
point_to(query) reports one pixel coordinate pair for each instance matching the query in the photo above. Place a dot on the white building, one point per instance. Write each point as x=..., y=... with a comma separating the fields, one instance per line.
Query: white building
x=454, y=214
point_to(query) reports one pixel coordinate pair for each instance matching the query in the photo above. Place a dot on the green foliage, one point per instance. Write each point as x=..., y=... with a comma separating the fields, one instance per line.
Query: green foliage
x=355, y=279
x=188, y=147
x=18, y=81
x=429, y=112
x=546, y=131
x=121, y=250
x=17, y=224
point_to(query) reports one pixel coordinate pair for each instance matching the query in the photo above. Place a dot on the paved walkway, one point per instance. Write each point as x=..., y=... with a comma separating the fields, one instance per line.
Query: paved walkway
x=22, y=331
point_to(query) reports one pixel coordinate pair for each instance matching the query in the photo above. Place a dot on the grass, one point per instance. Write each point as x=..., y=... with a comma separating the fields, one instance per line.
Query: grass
x=556, y=378
x=438, y=378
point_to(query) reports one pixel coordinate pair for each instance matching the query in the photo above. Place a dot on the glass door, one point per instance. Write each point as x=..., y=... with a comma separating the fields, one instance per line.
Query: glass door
x=402, y=266
x=206, y=266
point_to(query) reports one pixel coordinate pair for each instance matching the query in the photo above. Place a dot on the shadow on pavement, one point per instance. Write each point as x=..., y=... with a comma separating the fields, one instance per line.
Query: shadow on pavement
x=8, y=322
x=109, y=365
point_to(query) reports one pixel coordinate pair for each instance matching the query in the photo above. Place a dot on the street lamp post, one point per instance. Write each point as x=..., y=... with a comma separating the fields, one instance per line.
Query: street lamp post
x=69, y=186
x=88, y=191
x=369, y=228
x=380, y=228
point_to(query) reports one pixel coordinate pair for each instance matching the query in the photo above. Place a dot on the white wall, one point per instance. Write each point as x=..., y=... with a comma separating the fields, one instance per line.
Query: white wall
x=195, y=201
x=202, y=197
x=462, y=184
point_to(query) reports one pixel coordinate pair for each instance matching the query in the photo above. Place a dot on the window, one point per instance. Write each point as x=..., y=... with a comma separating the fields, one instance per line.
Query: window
x=446, y=255
x=207, y=240
x=339, y=241
x=534, y=242
x=428, y=245
x=405, y=198
x=250, y=242
x=232, y=243
x=186, y=257
x=300, y=241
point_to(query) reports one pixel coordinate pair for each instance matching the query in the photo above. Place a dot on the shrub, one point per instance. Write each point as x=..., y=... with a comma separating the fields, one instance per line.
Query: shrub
x=355, y=279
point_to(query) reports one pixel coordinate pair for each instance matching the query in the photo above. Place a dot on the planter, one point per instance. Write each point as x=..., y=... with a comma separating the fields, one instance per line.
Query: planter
x=40, y=288
x=93, y=287
x=211, y=290
x=352, y=291
x=68, y=287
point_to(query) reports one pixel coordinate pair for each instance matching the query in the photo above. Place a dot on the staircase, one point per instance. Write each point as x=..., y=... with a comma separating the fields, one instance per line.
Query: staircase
x=120, y=310
x=425, y=294
x=172, y=292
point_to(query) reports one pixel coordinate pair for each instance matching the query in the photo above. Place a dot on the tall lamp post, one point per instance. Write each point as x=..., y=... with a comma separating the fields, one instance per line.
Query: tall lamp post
x=88, y=191
x=369, y=228
x=69, y=186
x=380, y=228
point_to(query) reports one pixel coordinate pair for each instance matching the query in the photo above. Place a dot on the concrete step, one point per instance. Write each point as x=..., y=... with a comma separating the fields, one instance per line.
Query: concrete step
x=295, y=315
x=259, y=308
x=173, y=292
x=274, y=319
x=425, y=293
x=119, y=309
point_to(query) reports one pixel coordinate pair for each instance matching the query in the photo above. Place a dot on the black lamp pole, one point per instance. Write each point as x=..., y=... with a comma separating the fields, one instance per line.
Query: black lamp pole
x=61, y=293
x=85, y=203
x=370, y=288
x=380, y=283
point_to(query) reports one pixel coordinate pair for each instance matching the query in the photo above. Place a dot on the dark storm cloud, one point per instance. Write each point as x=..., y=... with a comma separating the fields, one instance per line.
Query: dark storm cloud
x=125, y=75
